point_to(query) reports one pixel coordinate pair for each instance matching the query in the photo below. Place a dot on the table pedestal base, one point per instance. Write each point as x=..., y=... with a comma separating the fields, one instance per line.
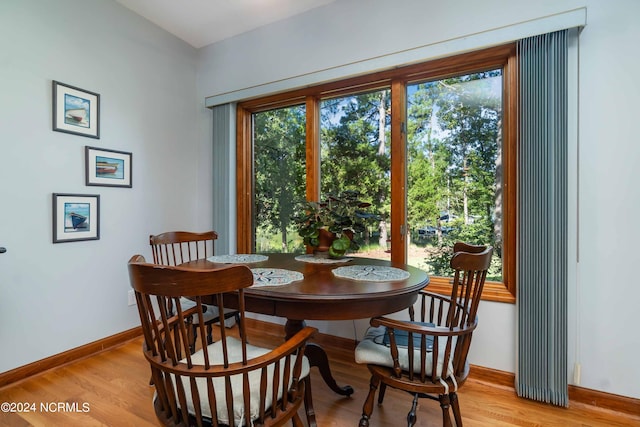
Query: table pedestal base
x=317, y=357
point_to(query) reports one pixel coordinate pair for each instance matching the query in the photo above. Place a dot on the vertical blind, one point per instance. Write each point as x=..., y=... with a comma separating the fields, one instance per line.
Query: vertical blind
x=223, y=177
x=542, y=246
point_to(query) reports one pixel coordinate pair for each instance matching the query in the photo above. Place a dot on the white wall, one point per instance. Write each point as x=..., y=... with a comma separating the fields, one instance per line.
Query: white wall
x=604, y=294
x=55, y=297
x=609, y=199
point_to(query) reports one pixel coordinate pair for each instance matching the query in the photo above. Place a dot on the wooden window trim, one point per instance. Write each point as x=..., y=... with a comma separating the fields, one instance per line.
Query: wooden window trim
x=399, y=171
x=503, y=291
x=244, y=181
x=313, y=147
x=501, y=56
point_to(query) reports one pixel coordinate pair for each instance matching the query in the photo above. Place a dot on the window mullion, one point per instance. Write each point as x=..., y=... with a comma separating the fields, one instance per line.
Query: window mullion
x=244, y=181
x=398, y=172
x=313, y=148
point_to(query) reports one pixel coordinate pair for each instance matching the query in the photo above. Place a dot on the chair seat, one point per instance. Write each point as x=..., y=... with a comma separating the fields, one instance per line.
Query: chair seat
x=372, y=350
x=212, y=312
x=235, y=355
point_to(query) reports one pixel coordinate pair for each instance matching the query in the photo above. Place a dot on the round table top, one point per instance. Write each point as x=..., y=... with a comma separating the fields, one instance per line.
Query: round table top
x=321, y=295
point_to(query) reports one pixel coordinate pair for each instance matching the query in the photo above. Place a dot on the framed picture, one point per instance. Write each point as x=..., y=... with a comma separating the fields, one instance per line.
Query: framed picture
x=76, y=110
x=107, y=168
x=76, y=217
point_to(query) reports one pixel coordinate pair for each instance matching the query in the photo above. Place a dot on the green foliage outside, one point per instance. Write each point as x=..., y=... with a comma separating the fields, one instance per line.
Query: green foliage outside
x=279, y=175
x=454, y=141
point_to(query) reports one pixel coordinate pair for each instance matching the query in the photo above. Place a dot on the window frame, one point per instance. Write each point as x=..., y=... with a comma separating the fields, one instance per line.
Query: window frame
x=396, y=79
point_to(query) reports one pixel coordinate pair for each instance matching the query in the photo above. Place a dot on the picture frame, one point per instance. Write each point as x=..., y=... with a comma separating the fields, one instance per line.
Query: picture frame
x=107, y=168
x=75, y=111
x=76, y=217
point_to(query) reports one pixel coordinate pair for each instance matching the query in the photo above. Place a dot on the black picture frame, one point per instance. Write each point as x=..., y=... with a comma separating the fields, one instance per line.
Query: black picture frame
x=75, y=111
x=76, y=217
x=107, y=168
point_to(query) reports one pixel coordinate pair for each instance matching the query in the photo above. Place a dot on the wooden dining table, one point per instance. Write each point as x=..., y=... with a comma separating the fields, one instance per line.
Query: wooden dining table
x=322, y=295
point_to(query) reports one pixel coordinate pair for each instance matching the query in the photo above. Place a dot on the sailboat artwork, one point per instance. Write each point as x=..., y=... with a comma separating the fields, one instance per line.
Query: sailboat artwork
x=77, y=220
x=104, y=168
x=76, y=110
x=76, y=217
x=109, y=167
x=75, y=115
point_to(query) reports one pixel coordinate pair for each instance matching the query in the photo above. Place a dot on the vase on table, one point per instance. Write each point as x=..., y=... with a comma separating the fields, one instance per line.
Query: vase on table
x=332, y=246
x=325, y=239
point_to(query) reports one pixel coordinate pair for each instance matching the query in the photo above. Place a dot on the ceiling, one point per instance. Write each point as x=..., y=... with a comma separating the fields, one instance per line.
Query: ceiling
x=202, y=22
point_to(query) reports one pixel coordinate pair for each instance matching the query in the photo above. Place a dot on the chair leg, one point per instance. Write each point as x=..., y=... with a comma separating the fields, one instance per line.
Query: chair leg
x=237, y=317
x=193, y=334
x=210, y=333
x=455, y=405
x=308, y=402
x=367, y=408
x=296, y=421
x=444, y=404
x=411, y=416
x=383, y=388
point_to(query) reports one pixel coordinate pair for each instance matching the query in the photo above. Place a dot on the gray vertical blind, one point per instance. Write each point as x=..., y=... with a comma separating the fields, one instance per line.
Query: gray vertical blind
x=223, y=184
x=542, y=246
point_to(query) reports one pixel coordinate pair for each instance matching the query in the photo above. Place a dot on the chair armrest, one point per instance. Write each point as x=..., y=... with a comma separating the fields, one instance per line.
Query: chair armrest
x=421, y=329
x=427, y=294
x=290, y=346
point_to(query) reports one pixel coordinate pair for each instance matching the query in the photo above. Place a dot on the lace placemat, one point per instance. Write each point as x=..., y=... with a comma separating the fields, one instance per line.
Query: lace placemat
x=274, y=276
x=371, y=273
x=238, y=258
x=311, y=258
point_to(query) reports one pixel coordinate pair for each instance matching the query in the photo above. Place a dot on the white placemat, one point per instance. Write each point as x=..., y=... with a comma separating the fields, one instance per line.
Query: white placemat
x=274, y=276
x=311, y=258
x=238, y=258
x=371, y=273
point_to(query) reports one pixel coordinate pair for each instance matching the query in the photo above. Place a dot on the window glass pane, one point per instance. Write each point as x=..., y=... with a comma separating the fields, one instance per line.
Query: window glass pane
x=355, y=156
x=279, y=177
x=454, y=131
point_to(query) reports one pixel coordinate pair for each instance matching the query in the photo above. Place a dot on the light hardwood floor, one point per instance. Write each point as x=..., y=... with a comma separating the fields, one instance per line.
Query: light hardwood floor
x=112, y=389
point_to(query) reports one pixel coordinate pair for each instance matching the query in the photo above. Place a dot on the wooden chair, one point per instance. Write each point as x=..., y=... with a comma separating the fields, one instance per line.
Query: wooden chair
x=229, y=382
x=428, y=357
x=177, y=247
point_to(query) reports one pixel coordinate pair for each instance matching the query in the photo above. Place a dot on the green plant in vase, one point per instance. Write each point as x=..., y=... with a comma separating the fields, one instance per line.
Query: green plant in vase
x=331, y=225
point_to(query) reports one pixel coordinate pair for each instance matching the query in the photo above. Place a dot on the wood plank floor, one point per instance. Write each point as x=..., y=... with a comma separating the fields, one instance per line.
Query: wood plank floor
x=112, y=389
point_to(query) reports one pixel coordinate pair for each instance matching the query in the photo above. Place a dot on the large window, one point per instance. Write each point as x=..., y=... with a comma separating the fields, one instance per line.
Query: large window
x=431, y=146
